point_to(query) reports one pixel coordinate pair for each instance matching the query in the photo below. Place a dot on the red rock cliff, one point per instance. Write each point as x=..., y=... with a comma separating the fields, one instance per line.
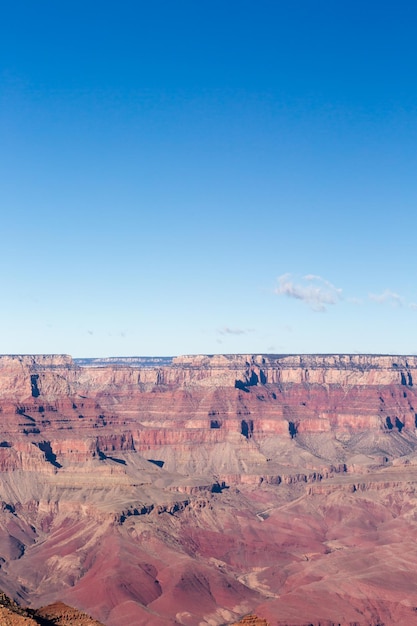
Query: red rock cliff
x=299, y=440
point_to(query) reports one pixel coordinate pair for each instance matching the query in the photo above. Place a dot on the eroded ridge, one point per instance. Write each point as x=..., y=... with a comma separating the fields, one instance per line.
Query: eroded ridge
x=199, y=489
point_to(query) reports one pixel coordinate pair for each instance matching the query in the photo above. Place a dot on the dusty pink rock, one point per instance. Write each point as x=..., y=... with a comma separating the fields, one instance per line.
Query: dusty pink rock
x=214, y=487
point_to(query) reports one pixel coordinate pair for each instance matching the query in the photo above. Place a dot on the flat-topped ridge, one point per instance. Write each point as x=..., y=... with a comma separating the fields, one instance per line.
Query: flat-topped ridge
x=37, y=360
x=228, y=361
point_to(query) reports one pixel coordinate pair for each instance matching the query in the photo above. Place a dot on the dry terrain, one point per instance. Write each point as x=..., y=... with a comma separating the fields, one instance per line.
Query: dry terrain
x=207, y=489
x=57, y=614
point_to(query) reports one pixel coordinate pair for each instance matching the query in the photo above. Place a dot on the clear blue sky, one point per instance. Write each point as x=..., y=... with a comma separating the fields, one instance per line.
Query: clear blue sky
x=200, y=177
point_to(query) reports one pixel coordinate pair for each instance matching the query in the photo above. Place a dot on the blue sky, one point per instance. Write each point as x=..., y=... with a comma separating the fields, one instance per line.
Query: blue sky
x=201, y=177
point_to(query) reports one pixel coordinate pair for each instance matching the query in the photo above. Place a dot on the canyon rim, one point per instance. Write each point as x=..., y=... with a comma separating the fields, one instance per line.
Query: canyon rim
x=199, y=489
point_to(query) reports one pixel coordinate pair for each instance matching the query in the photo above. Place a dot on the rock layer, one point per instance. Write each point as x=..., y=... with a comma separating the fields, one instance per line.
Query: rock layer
x=57, y=614
x=202, y=488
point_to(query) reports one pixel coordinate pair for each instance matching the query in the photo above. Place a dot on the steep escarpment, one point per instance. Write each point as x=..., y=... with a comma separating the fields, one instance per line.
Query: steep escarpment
x=234, y=401
x=202, y=488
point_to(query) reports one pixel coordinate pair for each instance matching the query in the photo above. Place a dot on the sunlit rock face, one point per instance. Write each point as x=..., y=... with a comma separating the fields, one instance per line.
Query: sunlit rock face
x=198, y=489
x=57, y=614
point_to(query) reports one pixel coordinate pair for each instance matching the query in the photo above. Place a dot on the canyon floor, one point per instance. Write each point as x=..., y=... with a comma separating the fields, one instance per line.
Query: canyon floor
x=200, y=490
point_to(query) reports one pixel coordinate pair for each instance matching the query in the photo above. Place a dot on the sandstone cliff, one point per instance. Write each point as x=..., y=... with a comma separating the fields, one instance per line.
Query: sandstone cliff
x=235, y=405
x=55, y=615
x=197, y=489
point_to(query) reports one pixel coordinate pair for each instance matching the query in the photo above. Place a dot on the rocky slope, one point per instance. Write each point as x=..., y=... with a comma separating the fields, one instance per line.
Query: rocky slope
x=57, y=614
x=251, y=620
x=198, y=490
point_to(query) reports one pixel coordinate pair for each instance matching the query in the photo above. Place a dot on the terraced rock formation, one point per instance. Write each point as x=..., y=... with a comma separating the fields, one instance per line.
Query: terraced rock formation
x=251, y=620
x=196, y=490
x=57, y=614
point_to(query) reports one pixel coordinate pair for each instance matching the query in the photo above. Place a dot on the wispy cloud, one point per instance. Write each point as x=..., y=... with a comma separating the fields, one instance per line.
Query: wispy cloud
x=317, y=292
x=226, y=330
x=387, y=297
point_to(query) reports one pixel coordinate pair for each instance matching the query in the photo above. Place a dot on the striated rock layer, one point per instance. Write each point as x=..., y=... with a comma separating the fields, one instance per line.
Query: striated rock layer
x=199, y=489
x=57, y=614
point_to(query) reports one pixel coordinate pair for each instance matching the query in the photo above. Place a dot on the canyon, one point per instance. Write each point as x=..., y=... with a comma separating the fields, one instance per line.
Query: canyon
x=201, y=489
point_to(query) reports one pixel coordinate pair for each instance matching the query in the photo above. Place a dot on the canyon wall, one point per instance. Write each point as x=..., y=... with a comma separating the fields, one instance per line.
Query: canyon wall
x=210, y=400
x=197, y=489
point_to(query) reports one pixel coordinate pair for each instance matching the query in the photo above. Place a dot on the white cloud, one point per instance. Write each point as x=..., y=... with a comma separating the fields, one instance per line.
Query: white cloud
x=317, y=292
x=226, y=330
x=387, y=297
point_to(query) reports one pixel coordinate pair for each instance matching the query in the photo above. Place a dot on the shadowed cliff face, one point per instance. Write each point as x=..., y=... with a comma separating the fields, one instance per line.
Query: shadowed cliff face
x=204, y=489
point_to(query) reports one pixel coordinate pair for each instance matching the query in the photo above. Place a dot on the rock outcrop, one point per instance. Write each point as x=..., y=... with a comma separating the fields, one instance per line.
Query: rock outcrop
x=57, y=614
x=251, y=620
x=202, y=488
